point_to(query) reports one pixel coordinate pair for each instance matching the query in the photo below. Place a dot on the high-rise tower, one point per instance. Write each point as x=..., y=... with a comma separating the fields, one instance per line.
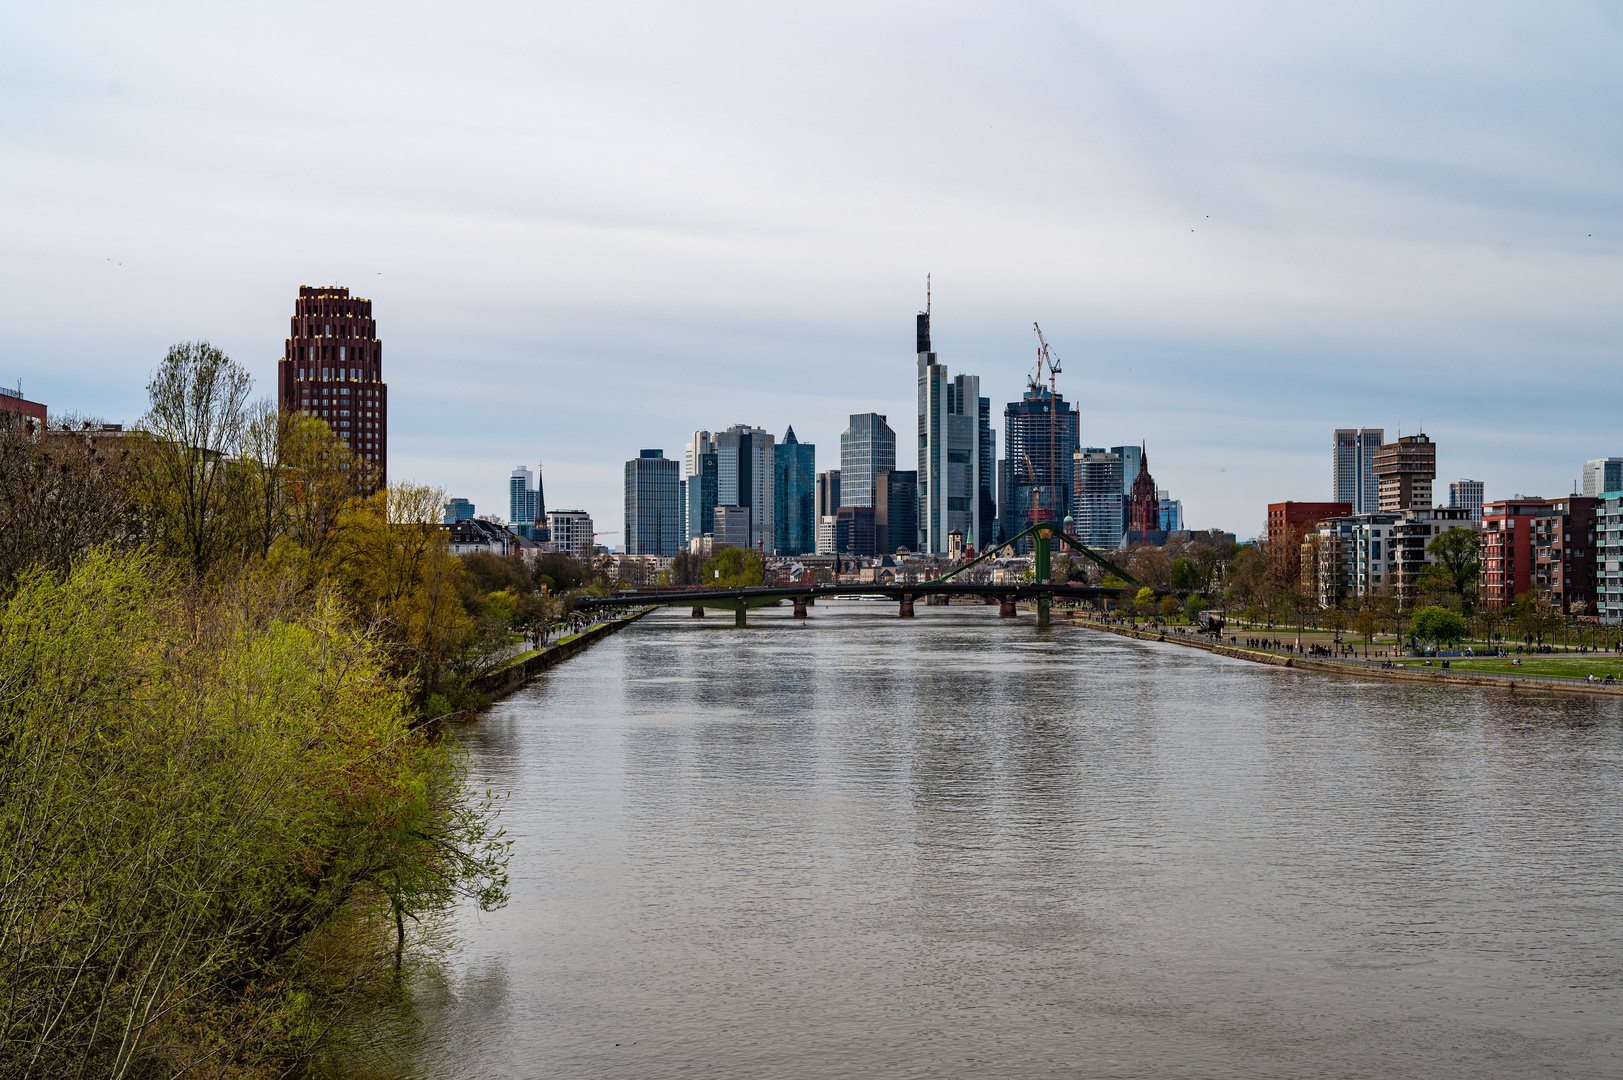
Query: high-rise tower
x=956, y=454
x=332, y=368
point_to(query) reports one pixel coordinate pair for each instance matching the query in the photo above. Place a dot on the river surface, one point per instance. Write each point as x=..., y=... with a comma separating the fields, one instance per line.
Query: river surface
x=958, y=846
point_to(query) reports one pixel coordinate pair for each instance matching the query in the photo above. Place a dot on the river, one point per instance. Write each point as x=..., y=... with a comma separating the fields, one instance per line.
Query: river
x=958, y=846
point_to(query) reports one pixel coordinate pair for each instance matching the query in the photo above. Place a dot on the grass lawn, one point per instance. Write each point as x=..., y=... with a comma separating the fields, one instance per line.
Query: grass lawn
x=1571, y=665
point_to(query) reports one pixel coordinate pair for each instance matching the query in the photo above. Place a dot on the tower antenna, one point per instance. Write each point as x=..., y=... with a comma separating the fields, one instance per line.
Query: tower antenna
x=927, y=294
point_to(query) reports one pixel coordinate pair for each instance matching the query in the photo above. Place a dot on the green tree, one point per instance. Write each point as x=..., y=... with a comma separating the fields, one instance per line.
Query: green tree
x=1438, y=624
x=1193, y=606
x=733, y=568
x=1170, y=606
x=1185, y=574
x=1144, y=601
x=1455, y=553
x=1365, y=625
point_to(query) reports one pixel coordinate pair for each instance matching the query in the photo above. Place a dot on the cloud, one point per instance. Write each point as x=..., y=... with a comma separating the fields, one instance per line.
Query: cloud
x=591, y=229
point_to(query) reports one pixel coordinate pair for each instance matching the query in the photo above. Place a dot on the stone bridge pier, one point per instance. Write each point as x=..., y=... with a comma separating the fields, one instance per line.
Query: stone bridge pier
x=906, y=611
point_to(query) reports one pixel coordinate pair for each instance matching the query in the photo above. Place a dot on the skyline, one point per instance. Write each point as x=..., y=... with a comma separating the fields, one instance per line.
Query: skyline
x=1240, y=230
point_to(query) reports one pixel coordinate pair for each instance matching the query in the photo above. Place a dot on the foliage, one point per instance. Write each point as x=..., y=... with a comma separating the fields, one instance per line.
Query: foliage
x=733, y=568
x=1185, y=574
x=1144, y=601
x=1437, y=624
x=1193, y=606
x=202, y=798
x=1170, y=606
x=559, y=572
x=1456, y=561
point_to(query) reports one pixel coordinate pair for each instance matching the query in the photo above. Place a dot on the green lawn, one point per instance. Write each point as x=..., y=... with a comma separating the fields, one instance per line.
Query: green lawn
x=1571, y=665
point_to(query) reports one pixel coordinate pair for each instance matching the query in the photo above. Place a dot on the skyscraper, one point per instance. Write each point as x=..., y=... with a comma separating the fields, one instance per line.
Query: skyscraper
x=458, y=510
x=745, y=464
x=1352, y=468
x=1098, y=512
x=1040, y=442
x=699, y=486
x=653, y=512
x=794, y=490
x=1466, y=495
x=955, y=455
x=896, y=511
x=867, y=448
x=828, y=493
x=524, y=507
x=1602, y=475
x=1404, y=471
x=332, y=368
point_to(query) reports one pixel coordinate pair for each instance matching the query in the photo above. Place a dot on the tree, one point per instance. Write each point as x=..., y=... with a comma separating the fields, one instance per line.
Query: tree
x=1145, y=602
x=197, y=420
x=1455, y=553
x=1437, y=624
x=733, y=568
x=1193, y=606
x=1170, y=606
x=687, y=568
x=1185, y=574
x=1365, y=625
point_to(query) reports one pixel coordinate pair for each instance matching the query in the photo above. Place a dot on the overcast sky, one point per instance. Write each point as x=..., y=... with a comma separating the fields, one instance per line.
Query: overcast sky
x=589, y=229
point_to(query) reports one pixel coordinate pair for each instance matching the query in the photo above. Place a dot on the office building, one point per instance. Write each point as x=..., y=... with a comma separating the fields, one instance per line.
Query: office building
x=867, y=448
x=1466, y=495
x=332, y=368
x=1602, y=475
x=653, y=506
x=572, y=532
x=1289, y=521
x=746, y=465
x=1040, y=443
x=699, y=486
x=1352, y=468
x=731, y=527
x=956, y=450
x=1404, y=471
x=458, y=510
x=826, y=533
x=1097, y=508
x=896, y=511
x=524, y=505
x=1131, y=459
x=794, y=489
x=828, y=493
x=854, y=531
x=1171, y=511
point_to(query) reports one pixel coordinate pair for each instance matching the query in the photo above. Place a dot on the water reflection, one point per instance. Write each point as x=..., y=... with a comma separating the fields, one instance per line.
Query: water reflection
x=962, y=847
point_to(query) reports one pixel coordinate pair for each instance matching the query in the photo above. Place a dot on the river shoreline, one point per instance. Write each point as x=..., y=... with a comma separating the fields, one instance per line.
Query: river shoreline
x=512, y=676
x=1334, y=667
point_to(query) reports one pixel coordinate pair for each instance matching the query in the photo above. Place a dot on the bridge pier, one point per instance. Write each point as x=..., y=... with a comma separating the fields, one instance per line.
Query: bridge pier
x=1005, y=608
x=738, y=616
x=698, y=612
x=1043, y=603
x=800, y=607
x=907, y=606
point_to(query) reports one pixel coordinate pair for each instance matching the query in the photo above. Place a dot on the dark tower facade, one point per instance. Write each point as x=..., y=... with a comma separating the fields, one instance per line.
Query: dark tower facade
x=1144, y=509
x=332, y=368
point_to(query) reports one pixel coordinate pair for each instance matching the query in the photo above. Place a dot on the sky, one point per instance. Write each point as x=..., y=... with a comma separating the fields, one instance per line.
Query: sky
x=592, y=229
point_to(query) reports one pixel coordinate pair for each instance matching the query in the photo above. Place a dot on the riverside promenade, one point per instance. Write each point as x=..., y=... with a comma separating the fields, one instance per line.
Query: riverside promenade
x=509, y=677
x=1370, y=668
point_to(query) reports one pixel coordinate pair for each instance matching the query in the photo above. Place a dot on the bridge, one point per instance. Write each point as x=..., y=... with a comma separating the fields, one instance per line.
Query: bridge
x=1040, y=588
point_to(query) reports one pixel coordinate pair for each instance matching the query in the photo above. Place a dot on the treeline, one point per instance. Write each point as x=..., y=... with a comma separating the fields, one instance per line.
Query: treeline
x=222, y=816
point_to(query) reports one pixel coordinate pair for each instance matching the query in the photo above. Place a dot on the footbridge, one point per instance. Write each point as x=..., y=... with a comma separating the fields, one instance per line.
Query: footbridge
x=1040, y=588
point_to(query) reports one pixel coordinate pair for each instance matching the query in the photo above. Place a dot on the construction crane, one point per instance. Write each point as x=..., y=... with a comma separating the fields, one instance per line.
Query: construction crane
x=1045, y=358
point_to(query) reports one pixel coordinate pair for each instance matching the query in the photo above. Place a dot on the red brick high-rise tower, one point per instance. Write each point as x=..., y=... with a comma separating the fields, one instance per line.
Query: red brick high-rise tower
x=332, y=368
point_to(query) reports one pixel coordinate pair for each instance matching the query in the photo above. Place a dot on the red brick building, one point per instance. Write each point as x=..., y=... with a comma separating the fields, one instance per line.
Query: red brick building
x=12, y=401
x=1298, y=518
x=332, y=368
x=1507, y=550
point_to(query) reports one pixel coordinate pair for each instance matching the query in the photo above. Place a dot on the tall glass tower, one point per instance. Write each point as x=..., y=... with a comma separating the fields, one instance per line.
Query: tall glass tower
x=1352, y=468
x=795, y=490
x=867, y=448
x=957, y=452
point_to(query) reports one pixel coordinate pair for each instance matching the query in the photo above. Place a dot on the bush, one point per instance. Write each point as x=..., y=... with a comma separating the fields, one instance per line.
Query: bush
x=1438, y=624
x=208, y=808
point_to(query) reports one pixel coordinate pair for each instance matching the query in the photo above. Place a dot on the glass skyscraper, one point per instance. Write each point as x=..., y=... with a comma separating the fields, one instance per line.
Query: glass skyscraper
x=1352, y=468
x=653, y=511
x=795, y=490
x=867, y=448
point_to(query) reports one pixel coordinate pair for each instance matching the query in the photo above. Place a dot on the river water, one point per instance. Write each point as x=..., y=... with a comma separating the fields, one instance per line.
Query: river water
x=958, y=846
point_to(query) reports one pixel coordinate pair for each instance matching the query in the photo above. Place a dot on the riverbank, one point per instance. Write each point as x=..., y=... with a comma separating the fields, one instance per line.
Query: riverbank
x=511, y=676
x=1364, y=667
